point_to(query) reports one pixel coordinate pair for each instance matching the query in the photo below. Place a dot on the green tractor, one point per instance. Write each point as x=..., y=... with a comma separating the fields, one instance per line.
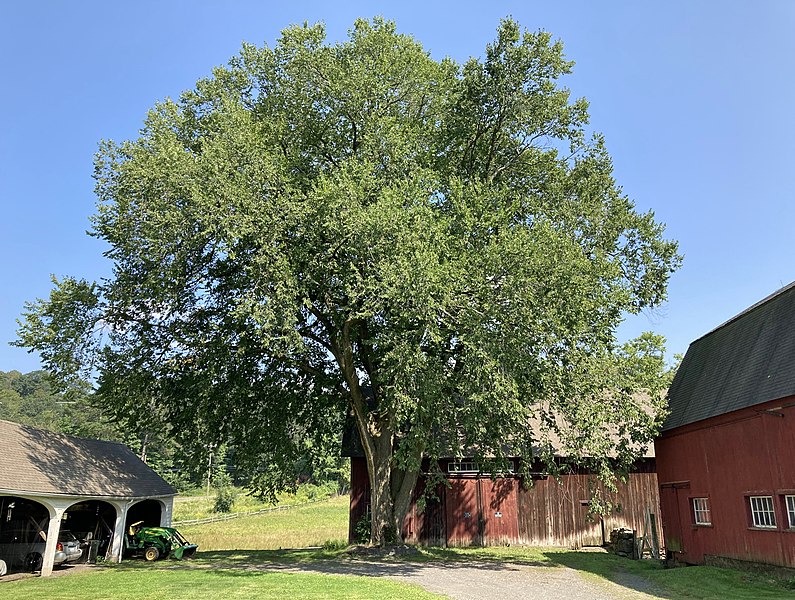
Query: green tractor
x=157, y=542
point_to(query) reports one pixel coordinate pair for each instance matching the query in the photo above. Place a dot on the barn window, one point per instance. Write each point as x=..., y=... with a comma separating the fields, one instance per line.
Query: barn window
x=701, y=512
x=790, y=500
x=762, y=511
x=463, y=467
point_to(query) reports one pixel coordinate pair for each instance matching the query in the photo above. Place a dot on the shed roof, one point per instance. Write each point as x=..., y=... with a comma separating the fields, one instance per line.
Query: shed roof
x=43, y=462
x=748, y=360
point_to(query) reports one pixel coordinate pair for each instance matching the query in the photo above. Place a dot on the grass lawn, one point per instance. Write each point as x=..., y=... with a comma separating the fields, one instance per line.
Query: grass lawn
x=703, y=583
x=200, y=584
x=310, y=525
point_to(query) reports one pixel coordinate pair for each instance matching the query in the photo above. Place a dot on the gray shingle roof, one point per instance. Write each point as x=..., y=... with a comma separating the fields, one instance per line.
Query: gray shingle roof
x=43, y=462
x=748, y=360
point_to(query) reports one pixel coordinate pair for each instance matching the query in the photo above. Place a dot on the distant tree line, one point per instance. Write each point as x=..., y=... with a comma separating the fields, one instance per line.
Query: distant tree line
x=30, y=399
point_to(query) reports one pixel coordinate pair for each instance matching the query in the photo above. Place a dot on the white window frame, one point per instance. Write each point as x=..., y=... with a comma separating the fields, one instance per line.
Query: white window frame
x=463, y=466
x=763, y=512
x=789, y=503
x=702, y=515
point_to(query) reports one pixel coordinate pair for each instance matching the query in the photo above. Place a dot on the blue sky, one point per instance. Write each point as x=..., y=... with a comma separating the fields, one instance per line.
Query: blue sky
x=695, y=100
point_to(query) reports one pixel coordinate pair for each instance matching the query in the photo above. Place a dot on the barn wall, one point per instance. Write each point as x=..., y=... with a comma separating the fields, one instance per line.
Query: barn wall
x=426, y=525
x=726, y=459
x=481, y=511
x=360, y=495
x=558, y=513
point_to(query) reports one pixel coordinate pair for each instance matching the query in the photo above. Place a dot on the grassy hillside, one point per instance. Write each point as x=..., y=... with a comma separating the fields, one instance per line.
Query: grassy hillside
x=310, y=525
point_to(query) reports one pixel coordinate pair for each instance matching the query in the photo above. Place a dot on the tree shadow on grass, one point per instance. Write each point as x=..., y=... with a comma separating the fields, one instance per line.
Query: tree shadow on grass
x=627, y=573
x=336, y=562
x=528, y=557
x=343, y=563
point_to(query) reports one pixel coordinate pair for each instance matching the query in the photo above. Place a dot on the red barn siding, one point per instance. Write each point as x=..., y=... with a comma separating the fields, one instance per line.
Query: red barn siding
x=482, y=511
x=360, y=495
x=463, y=513
x=499, y=510
x=426, y=526
x=726, y=459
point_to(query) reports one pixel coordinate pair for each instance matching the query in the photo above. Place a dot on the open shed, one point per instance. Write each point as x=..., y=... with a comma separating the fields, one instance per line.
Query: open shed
x=96, y=489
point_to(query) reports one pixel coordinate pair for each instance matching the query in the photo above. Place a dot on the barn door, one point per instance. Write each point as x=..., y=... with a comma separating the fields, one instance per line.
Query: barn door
x=464, y=525
x=500, y=511
x=433, y=531
x=671, y=516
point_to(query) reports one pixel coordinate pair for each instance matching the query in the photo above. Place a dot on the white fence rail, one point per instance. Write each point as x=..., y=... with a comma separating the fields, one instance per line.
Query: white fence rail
x=237, y=515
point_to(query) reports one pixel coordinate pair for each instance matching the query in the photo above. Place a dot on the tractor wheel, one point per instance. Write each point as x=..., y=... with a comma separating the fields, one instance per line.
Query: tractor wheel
x=33, y=562
x=151, y=553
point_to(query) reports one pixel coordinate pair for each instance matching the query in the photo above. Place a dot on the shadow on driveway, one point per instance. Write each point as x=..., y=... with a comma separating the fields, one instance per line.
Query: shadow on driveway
x=555, y=575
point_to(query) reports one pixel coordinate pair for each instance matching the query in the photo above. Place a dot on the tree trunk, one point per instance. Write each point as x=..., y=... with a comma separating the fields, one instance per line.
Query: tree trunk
x=390, y=494
x=390, y=490
x=383, y=530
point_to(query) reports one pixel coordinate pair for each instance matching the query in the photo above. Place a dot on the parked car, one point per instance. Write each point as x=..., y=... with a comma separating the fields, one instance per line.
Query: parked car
x=24, y=548
x=69, y=545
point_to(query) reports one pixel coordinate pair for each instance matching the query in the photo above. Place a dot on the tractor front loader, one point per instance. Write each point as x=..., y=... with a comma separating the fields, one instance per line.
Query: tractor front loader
x=157, y=542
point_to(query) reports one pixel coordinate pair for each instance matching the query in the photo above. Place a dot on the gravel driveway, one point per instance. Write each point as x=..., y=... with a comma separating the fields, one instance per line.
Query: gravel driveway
x=491, y=581
x=464, y=580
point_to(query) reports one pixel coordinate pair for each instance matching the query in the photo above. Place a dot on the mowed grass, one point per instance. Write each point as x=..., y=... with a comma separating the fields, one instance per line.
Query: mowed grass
x=309, y=525
x=697, y=582
x=199, y=584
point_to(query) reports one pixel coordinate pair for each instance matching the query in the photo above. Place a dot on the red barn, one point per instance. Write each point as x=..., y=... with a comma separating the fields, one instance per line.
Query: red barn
x=726, y=456
x=473, y=509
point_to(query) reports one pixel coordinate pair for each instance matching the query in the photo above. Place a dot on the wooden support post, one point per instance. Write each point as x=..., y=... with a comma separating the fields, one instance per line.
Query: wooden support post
x=655, y=540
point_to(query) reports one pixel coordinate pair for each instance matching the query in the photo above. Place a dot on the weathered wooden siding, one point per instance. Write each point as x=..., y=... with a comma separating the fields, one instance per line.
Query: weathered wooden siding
x=426, y=525
x=475, y=511
x=558, y=513
x=464, y=527
x=499, y=510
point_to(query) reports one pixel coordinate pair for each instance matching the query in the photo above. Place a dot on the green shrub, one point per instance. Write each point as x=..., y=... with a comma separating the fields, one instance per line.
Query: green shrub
x=361, y=532
x=224, y=500
x=335, y=545
x=222, y=480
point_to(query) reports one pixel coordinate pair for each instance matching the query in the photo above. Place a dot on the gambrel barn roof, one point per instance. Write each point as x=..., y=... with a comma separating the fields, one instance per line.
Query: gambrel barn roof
x=748, y=360
x=41, y=462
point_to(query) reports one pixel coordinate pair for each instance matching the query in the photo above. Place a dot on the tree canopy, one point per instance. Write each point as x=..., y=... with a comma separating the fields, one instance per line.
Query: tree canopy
x=28, y=398
x=439, y=250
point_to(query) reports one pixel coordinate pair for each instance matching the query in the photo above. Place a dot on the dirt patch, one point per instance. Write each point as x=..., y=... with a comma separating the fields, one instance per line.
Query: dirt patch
x=56, y=572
